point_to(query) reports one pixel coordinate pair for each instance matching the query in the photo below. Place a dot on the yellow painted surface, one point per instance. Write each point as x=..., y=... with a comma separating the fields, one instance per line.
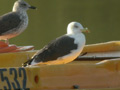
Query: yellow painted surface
x=103, y=47
x=14, y=59
x=81, y=89
x=88, y=75
x=84, y=74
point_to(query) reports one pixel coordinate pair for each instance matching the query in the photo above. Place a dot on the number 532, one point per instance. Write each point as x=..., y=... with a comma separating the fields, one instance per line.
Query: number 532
x=12, y=78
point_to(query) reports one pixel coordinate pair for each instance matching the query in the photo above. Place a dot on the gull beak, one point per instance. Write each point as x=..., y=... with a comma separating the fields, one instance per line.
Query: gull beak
x=32, y=7
x=85, y=30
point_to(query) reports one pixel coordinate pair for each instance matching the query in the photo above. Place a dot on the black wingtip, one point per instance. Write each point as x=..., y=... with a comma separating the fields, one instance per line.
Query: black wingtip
x=27, y=63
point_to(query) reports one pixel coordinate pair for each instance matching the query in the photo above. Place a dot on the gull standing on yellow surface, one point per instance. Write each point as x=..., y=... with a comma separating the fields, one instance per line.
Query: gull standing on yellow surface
x=63, y=49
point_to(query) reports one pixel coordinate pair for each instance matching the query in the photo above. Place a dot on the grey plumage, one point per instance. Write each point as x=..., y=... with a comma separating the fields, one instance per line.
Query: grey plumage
x=9, y=22
x=15, y=22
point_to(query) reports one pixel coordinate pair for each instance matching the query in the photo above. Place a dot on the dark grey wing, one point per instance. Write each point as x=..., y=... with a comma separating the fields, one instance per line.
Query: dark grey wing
x=8, y=22
x=57, y=48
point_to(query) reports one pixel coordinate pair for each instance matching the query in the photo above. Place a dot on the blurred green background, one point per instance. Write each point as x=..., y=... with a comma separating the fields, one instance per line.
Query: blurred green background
x=51, y=18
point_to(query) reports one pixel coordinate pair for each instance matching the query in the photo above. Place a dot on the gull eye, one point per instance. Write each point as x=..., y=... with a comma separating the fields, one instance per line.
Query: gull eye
x=24, y=4
x=76, y=26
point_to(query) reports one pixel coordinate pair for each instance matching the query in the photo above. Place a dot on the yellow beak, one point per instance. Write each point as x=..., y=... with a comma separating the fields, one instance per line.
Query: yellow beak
x=85, y=30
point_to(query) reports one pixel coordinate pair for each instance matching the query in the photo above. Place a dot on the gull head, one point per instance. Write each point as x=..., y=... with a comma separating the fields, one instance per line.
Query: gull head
x=75, y=28
x=21, y=5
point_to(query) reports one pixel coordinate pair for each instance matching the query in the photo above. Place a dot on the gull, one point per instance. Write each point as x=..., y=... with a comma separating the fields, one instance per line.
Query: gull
x=14, y=23
x=63, y=49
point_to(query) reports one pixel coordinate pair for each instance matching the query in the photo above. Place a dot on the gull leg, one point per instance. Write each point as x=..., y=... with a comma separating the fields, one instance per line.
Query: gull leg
x=7, y=41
